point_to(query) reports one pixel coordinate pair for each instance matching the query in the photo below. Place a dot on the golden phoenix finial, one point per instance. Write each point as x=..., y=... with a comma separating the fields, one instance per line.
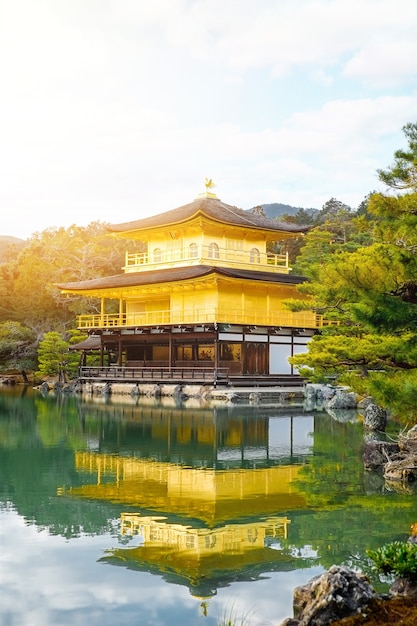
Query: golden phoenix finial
x=208, y=183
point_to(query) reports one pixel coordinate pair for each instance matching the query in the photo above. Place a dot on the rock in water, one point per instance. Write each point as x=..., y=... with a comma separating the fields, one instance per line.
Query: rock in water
x=340, y=592
x=375, y=418
x=342, y=399
x=377, y=453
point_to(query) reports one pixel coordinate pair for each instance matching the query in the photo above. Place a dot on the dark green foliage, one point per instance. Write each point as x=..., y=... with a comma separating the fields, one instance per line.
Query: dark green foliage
x=363, y=274
x=403, y=173
x=398, y=558
x=17, y=347
x=54, y=356
x=396, y=390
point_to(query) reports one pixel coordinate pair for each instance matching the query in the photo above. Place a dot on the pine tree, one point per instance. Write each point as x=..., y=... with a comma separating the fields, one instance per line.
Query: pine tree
x=54, y=356
x=372, y=292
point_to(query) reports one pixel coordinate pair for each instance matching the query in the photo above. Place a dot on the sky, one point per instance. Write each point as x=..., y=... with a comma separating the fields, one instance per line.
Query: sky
x=113, y=110
x=65, y=582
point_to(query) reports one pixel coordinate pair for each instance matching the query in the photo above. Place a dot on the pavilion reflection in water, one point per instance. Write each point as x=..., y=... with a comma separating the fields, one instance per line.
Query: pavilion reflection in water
x=209, y=492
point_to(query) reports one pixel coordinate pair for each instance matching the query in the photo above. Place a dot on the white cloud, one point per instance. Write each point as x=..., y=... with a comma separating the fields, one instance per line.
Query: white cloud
x=112, y=110
x=148, y=164
x=384, y=63
x=246, y=34
x=44, y=38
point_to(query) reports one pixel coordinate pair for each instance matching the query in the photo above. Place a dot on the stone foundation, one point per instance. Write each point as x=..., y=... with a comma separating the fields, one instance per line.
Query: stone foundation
x=205, y=393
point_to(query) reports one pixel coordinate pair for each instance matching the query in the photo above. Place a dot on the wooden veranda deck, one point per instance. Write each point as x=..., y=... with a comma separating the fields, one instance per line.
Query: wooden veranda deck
x=192, y=375
x=185, y=375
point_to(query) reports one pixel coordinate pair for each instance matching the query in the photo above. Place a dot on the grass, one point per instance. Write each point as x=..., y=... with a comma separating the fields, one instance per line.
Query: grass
x=231, y=617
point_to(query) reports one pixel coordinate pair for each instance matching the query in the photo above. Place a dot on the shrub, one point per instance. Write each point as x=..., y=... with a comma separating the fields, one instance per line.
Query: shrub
x=398, y=558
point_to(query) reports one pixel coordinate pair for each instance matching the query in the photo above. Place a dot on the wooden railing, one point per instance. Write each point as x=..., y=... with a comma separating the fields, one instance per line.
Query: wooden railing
x=155, y=374
x=207, y=255
x=303, y=319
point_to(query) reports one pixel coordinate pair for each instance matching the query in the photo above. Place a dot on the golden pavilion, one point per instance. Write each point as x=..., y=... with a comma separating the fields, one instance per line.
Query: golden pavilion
x=203, y=300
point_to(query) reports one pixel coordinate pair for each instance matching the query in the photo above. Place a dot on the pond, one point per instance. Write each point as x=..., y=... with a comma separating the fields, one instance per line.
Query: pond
x=141, y=512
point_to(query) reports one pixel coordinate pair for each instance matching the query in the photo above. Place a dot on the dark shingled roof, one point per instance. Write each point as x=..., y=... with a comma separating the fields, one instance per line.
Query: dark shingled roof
x=212, y=208
x=133, y=279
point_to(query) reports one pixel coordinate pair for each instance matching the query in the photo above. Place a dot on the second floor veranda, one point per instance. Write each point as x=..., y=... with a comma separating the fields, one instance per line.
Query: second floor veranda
x=212, y=254
x=201, y=316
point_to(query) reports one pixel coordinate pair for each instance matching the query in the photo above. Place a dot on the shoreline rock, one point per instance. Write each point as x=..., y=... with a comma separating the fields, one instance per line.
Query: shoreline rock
x=375, y=418
x=330, y=397
x=341, y=593
x=338, y=593
x=397, y=461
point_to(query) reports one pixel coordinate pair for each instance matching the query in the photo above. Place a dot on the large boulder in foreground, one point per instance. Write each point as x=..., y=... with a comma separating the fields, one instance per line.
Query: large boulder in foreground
x=340, y=592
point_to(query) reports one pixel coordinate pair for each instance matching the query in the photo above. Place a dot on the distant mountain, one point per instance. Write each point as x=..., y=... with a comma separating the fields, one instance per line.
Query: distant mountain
x=276, y=209
x=6, y=241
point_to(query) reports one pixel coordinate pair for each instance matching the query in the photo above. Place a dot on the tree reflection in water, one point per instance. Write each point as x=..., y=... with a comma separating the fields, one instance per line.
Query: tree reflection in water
x=199, y=496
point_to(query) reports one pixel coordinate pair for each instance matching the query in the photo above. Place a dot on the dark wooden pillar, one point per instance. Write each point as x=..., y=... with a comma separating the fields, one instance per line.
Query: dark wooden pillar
x=120, y=356
x=216, y=354
x=101, y=351
x=170, y=350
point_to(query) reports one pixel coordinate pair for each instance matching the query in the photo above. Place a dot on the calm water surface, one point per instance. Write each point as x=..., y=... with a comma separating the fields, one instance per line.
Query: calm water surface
x=157, y=514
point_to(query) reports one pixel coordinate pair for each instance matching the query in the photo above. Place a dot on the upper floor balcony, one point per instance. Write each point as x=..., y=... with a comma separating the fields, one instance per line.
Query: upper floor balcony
x=201, y=316
x=212, y=254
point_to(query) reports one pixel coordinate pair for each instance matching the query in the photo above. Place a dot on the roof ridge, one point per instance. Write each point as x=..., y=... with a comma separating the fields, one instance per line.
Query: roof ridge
x=215, y=209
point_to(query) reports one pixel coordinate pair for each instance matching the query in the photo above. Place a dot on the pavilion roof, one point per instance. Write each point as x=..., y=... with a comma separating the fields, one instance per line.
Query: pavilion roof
x=212, y=208
x=136, y=279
